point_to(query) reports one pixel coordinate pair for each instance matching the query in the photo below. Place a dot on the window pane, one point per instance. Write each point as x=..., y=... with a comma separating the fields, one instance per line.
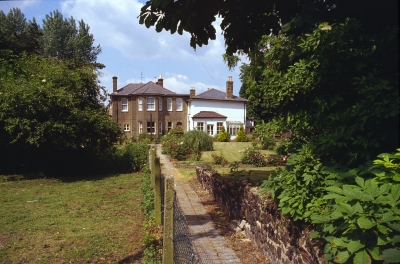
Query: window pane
x=169, y=104
x=150, y=127
x=178, y=104
x=151, y=103
x=140, y=104
x=160, y=104
x=124, y=103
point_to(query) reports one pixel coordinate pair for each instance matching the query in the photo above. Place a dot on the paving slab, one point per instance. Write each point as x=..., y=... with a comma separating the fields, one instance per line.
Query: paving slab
x=206, y=239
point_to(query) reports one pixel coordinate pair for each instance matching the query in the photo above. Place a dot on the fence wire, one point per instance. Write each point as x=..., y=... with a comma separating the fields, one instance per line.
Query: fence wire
x=184, y=252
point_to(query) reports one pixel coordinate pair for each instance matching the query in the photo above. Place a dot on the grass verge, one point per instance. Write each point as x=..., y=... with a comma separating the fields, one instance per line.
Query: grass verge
x=53, y=221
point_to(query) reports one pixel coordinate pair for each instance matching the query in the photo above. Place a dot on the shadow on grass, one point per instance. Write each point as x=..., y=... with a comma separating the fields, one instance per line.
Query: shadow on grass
x=135, y=258
x=61, y=177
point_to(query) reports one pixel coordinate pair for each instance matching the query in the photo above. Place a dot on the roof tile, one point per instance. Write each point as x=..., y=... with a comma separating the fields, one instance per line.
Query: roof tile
x=208, y=114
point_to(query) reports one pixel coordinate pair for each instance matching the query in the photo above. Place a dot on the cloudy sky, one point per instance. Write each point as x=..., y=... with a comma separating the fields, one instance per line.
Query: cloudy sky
x=135, y=53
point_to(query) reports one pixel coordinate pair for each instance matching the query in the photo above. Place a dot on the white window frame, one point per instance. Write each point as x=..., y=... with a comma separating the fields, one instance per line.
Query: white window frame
x=150, y=106
x=160, y=104
x=127, y=127
x=233, y=129
x=200, y=125
x=124, y=104
x=140, y=104
x=170, y=126
x=210, y=129
x=160, y=127
x=219, y=127
x=179, y=105
x=140, y=127
x=169, y=104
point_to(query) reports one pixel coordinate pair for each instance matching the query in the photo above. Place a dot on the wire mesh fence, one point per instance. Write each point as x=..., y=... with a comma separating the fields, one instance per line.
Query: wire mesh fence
x=184, y=252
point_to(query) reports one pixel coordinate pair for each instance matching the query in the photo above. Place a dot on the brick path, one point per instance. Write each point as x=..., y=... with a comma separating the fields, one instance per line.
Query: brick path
x=209, y=244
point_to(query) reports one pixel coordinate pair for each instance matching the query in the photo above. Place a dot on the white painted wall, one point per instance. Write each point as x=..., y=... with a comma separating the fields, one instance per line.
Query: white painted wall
x=234, y=111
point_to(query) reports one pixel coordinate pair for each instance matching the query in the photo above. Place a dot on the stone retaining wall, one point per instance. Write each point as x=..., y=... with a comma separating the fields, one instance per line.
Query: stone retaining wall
x=280, y=239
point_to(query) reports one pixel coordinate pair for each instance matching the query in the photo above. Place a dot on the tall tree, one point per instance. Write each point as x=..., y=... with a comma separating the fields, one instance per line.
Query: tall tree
x=243, y=23
x=64, y=40
x=17, y=35
x=51, y=116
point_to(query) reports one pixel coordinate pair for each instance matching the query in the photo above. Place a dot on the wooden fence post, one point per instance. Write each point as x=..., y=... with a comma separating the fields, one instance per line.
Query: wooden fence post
x=157, y=191
x=168, y=233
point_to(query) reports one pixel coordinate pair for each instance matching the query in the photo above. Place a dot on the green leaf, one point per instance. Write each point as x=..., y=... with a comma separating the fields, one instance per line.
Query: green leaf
x=365, y=223
x=383, y=229
x=394, y=226
x=391, y=255
x=354, y=246
x=375, y=253
x=334, y=189
x=388, y=217
x=338, y=242
x=342, y=256
x=314, y=234
x=362, y=257
x=360, y=181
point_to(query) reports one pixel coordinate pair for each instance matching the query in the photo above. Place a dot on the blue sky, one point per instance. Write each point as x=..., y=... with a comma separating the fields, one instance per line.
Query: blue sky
x=135, y=53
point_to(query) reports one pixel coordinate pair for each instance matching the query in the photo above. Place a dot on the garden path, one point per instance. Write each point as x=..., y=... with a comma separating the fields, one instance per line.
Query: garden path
x=207, y=241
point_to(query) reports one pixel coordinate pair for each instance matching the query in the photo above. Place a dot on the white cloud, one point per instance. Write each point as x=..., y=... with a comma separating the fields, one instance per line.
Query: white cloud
x=115, y=26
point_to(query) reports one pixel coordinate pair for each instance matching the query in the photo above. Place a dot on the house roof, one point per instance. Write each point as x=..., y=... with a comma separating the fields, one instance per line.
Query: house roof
x=214, y=94
x=208, y=114
x=143, y=88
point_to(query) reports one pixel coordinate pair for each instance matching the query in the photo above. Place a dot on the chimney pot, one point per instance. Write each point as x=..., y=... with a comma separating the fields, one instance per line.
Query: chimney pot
x=160, y=81
x=229, y=88
x=192, y=92
x=115, y=84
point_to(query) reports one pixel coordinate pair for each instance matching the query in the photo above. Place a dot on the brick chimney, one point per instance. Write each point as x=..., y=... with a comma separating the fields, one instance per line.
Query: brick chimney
x=115, y=83
x=192, y=92
x=160, y=81
x=229, y=88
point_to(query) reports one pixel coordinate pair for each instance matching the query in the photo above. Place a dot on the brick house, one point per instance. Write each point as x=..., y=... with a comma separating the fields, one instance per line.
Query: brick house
x=152, y=108
x=148, y=107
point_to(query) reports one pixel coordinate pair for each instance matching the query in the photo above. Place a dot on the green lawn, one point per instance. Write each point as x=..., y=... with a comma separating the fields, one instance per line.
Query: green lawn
x=232, y=151
x=85, y=221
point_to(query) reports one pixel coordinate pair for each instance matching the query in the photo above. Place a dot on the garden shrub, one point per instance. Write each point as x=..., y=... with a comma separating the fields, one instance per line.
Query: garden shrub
x=254, y=157
x=186, y=146
x=198, y=140
x=355, y=211
x=223, y=136
x=131, y=157
x=219, y=159
x=241, y=135
x=363, y=223
x=263, y=136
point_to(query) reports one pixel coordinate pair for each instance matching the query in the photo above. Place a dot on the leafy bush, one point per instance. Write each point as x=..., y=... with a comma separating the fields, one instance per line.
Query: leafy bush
x=362, y=226
x=126, y=158
x=198, y=140
x=297, y=187
x=219, y=159
x=254, y=157
x=186, y=146
x=223, y=136
x=356, y=211
x=241, y=136
x=263, y=135
x=153, y=238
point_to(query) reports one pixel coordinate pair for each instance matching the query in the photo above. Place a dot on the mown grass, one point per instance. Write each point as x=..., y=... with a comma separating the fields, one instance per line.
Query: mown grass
x=84, y=221
x=232, y=151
